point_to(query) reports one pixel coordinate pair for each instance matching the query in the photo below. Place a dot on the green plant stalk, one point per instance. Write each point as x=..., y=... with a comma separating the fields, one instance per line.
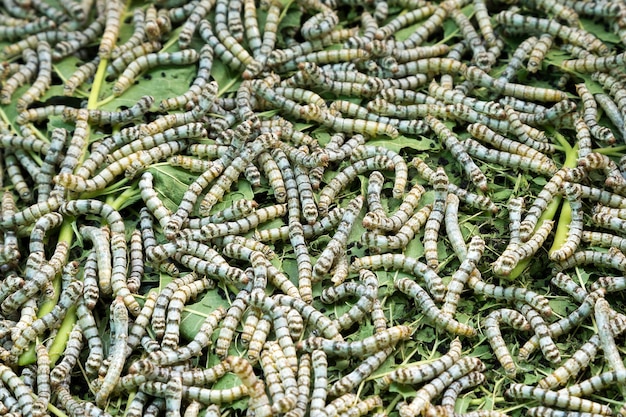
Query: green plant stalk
x=65, y=235
x=565, y=216
x=28, y=357
x=118, y=201
x=612, y=150
x=60, y=341
x=562, y=229
x=56, y=411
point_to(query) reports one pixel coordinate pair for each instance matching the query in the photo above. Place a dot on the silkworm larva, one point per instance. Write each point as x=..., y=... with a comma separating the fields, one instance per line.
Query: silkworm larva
x=424, y=395
x=560, y=399
x=414, y=374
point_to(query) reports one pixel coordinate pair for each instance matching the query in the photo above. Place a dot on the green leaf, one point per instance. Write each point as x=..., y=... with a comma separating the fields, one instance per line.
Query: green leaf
x=195, y=314
x=403, y=142
x=170, y=183
x=598, y=29
x=160, y=83
x=406, y=391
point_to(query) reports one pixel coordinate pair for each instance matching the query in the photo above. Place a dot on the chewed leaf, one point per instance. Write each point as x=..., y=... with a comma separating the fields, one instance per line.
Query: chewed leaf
x=160, y=83
x=194, y=314
x=402, y=142
x=170, y=183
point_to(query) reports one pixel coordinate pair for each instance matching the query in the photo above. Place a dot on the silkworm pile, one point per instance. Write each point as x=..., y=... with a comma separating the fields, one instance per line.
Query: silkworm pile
x=314, y=207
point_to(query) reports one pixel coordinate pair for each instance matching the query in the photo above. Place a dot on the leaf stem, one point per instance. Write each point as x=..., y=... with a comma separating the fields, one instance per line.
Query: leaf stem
x=565, y=216
x=56, y=411
x=571, y=155
x=118, y=202
x=66, y=234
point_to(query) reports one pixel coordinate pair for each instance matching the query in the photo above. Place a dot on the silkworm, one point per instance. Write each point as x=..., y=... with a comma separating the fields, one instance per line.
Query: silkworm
x=174, y=310
x=304, y=384
x=614, y=258
x=453, y=96
x=286, y=375
x=542, y=411
x=492, y=332
x=70, y=356
x=537, y=54
x=259, y=401
x=400, y=217
x=117, y=354
x=424, y=395
x=602, y=310
x=405, y=263
x=21, y=77
x=595, y=383
x=311, y=315
x=431, y=228
x=87, y=323
x=507, y=159
x=48, y=321
x=451, y=142
x=203, y=395
x=91, y=291
x=192, y=193
x=113, y=14
x=541, y=329
x=541, y=202
x=272, y=380
x=339, y=240
x=404, y=20
x=38, y=279
x=159, y=314
x=258, y=338
x=145, y=62
x=471, y=37
x=73, y=43
x=350, y=381
x=231, y=173
x=430, y=310
x=16, y=177
x=193, y=348
x=43, y=79
x=22, y=393
x=579, y=360
x=560, y=399
x=342, y=179
x=140, y=326
x=461, y=275
x=378, y=124
x=230, y=322
x=414, y=374
x=101, y=117
x=382, y=243
x=450, y=395
x=27, y=141
x=118, y=245
x=485, y=134
x=566, y=324
x=100, y=238
x=577, y=37
x=611, y=110
x=567, y=284
x=131, y=163
x=400, y=167
x=319, y=392
x=367, y=295
x=139, y=31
